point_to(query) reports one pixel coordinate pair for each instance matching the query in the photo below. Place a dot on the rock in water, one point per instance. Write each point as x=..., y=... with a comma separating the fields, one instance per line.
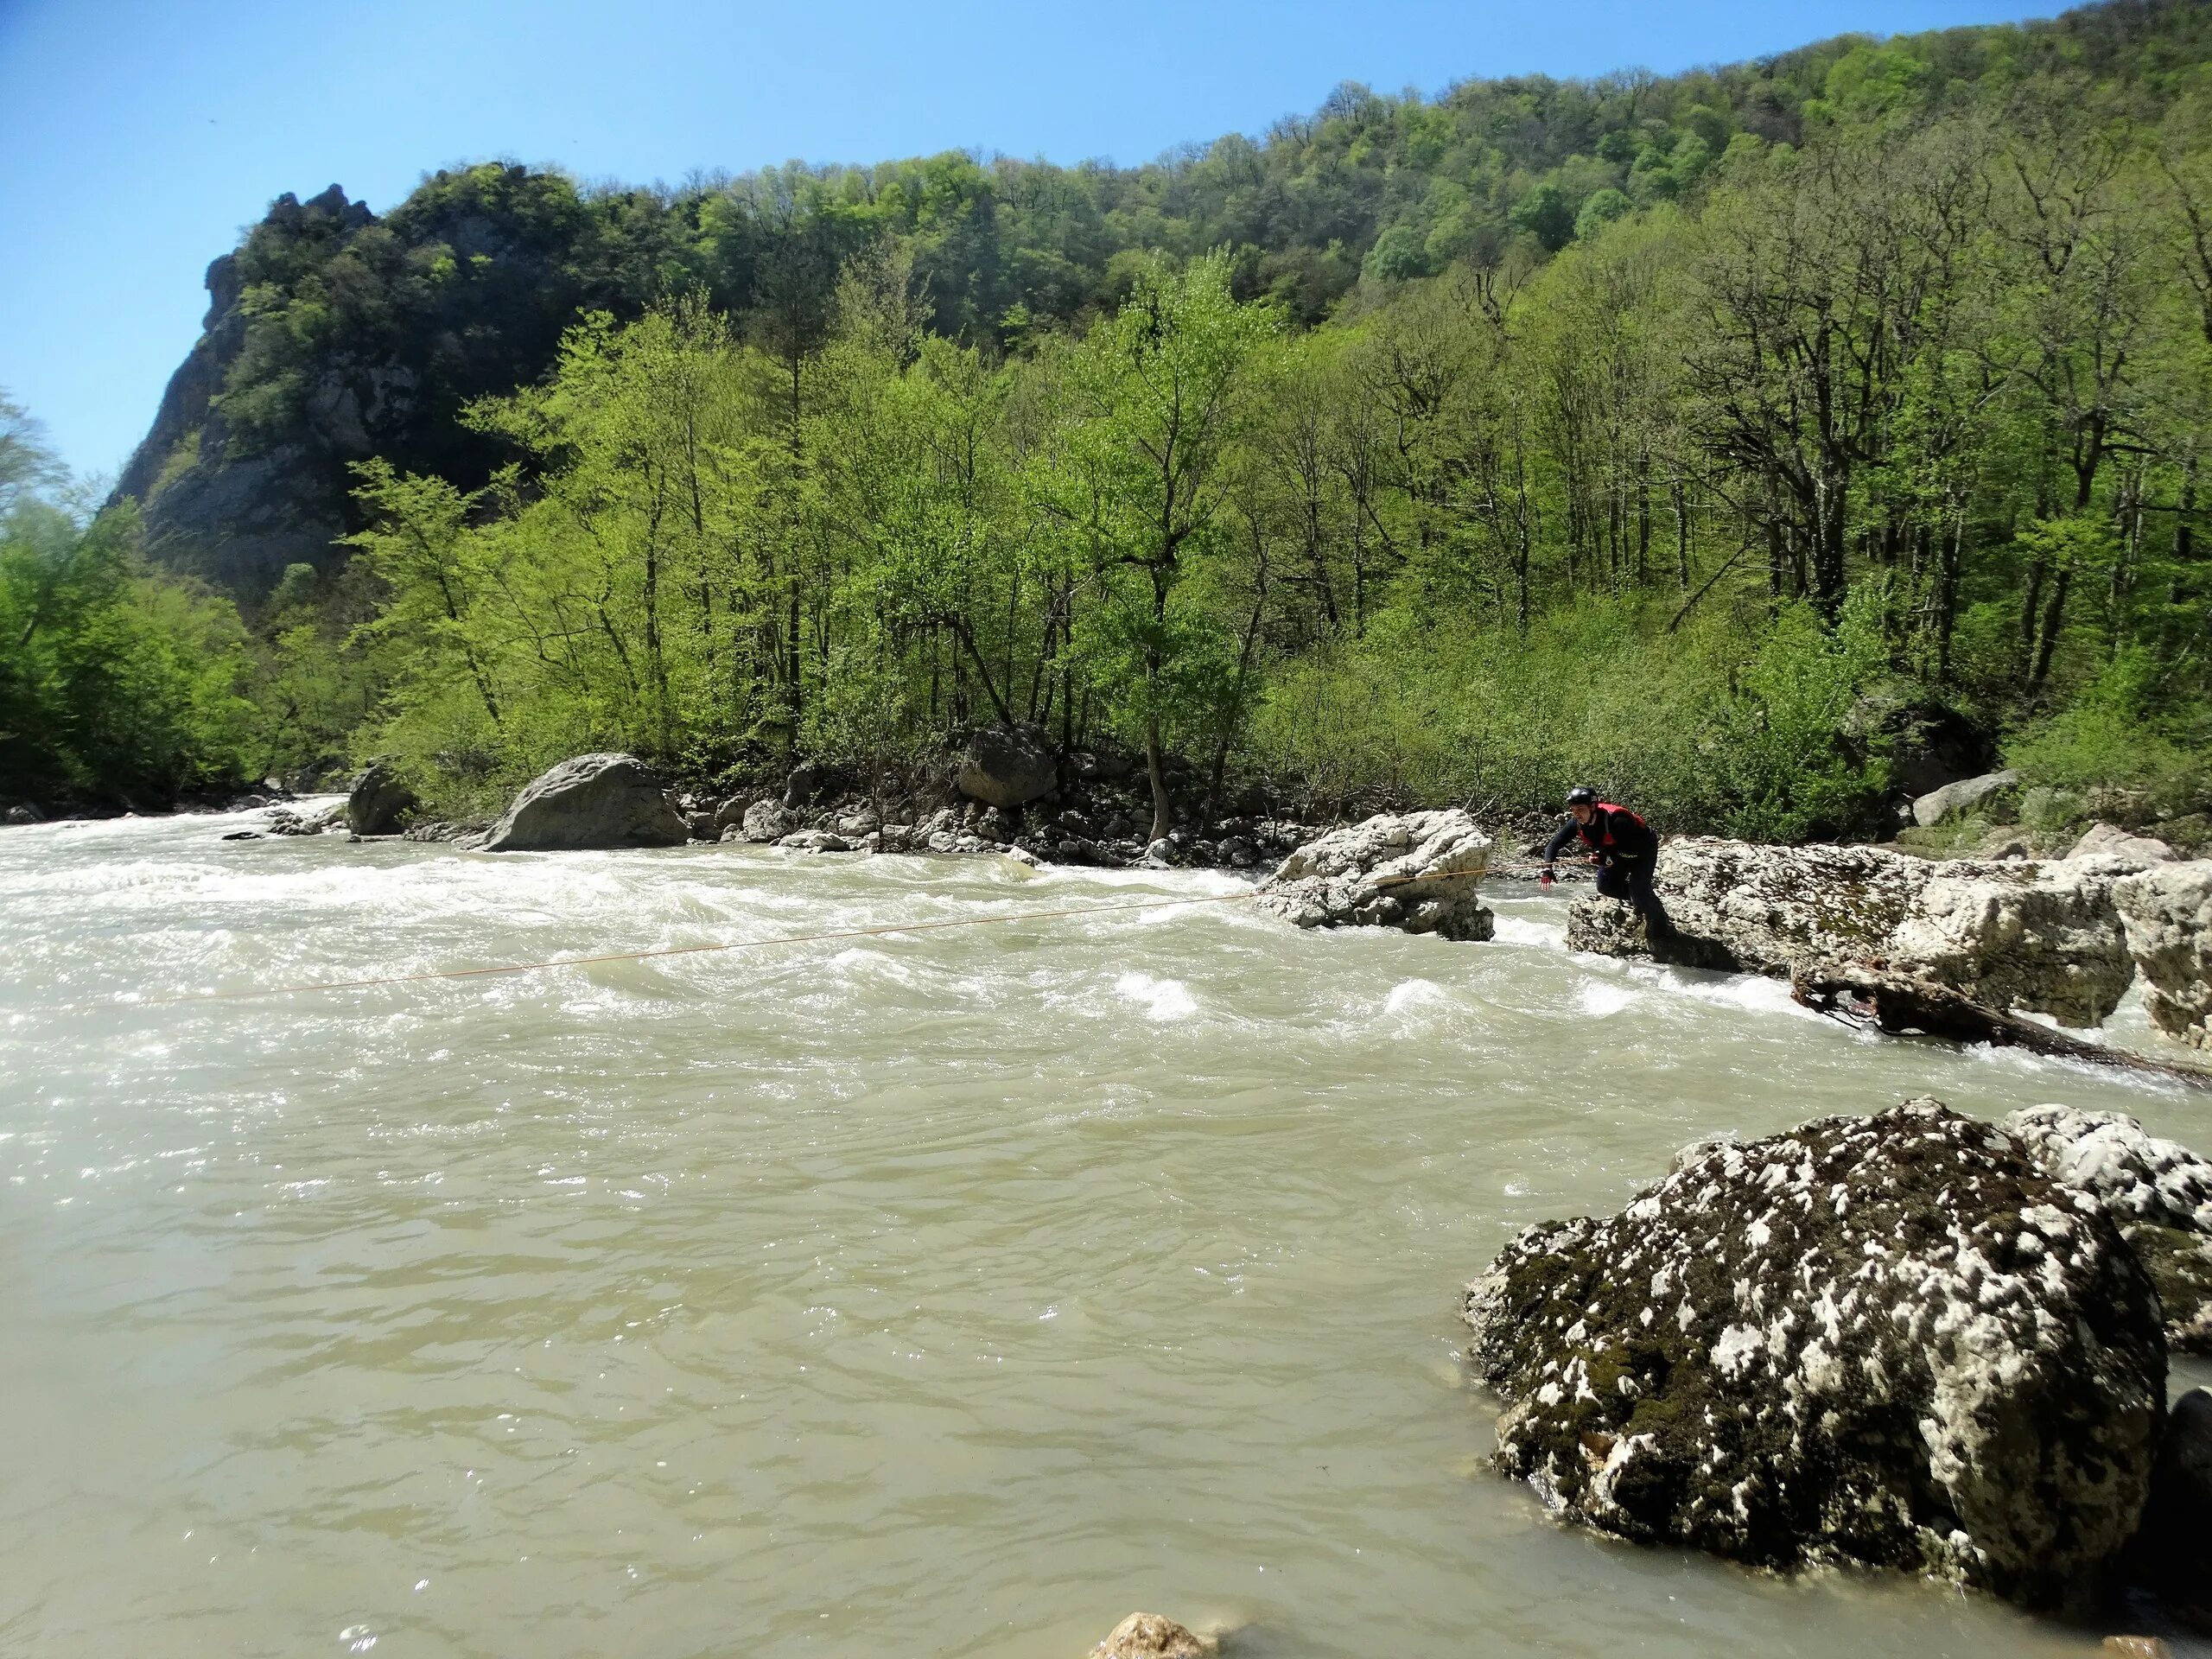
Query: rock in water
x=1892, y=1340
x=2157, y=1192
x=380, y=803
x=1417, y=871
x=2167, y=913
x=2173, y=1552
x=595, y=800
x=1149, y=1635
x=2044, y=937
x=1008, y=766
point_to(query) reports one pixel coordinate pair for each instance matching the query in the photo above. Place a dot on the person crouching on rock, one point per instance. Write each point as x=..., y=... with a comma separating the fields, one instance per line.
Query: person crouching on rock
x=1622, y=845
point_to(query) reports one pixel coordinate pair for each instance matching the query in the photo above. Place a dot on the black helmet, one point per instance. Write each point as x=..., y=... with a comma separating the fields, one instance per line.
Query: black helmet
x=1582, y=795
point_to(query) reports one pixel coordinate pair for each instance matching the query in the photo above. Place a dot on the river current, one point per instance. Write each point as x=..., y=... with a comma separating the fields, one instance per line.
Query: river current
x=951, y=1294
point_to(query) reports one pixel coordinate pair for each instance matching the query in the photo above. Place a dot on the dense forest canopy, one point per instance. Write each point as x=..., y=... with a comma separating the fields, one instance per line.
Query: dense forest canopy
x=1725, y=438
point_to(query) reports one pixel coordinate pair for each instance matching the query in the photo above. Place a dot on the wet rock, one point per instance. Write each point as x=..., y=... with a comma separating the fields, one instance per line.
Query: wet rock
x=1985, y=794
x=2167, y=913
x=854, y=825
x=467, y=832
x=815, y=841
x=595, y=800
x=1239, y=854
x=21, y=814
x=2136, y=1647
x=2172, y=1552
x=2159, y=1193
x=702, y=825
x=770, y=821
x=2039, y=936
x=1008, y=766
x=1416, y=871
x=1149, y=1635
x=380, y=802
x=2110, y=841
x=1892, y=1340
x=244, y=834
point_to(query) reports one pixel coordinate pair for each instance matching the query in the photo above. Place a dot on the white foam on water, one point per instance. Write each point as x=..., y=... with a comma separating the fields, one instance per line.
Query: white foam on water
x=1411, y=994
x=1163, y=999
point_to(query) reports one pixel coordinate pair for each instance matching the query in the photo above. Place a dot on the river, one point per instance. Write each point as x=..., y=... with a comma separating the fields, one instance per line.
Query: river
x=946, y=1295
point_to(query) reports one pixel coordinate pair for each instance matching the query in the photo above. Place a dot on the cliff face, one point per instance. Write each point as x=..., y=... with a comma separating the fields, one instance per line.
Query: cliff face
x=333, y=335
x=219, y=504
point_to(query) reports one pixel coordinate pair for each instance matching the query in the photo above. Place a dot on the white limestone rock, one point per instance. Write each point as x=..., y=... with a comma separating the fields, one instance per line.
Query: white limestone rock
x=2167, y=913
x=2157, y=1192
x=1416, y=871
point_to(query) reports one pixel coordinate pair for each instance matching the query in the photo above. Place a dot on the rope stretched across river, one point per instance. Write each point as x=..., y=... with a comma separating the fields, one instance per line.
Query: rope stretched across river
x=881, y=930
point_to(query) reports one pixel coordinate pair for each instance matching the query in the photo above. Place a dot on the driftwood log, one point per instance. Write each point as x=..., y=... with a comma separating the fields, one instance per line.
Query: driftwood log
x=1897, y=1003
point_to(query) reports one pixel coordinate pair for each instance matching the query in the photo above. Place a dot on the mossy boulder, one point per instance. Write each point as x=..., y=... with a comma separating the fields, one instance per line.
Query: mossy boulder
x=1892, y=1340
x=2157, y=1192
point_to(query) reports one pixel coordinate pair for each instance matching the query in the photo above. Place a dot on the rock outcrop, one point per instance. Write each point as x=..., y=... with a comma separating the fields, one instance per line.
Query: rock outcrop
x=2042, y=937
x=380, y=803
x=2167, y=913
x=1007, y=767
x=595, y=800
x=1892, y=1340
x=1416, y=871
x=2157, y=1192
x=1150, y=1636
x=1968, y=795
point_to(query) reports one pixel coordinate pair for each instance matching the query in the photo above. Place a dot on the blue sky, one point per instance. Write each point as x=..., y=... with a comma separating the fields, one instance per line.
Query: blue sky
x=140, y=139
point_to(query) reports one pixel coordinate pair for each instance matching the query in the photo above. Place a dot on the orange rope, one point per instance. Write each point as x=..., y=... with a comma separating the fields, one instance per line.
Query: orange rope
x=681, y=950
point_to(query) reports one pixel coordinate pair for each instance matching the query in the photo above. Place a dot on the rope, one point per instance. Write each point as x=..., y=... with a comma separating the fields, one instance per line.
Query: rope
x=881, y=931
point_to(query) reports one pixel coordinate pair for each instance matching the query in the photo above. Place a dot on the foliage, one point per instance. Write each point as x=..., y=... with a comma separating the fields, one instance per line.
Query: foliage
x=1627, y=431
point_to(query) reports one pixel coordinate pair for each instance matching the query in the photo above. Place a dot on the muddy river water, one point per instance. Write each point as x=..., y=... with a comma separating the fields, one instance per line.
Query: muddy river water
x=943, y=1295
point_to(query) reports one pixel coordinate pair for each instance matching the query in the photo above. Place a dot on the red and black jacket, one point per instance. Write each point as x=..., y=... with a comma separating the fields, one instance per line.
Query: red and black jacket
x=1613, y=832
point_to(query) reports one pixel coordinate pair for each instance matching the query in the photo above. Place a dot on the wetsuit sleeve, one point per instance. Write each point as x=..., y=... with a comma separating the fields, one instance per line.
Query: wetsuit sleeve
x=1561, y=837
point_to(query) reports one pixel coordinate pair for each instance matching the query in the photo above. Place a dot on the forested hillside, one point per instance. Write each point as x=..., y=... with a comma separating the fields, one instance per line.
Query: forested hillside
x=1731, y=439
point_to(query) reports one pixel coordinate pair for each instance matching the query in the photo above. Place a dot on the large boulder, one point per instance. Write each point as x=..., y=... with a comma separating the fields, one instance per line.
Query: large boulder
x=1891, y=1340
x=2110, y=841
x=1007, y=767
x=768, y=821
x=2167, y=913
x=1417, y=871
x=380, y=803
x=595, y=800
x=2157, y=1192
x=1968, y=795
x=2010, y=933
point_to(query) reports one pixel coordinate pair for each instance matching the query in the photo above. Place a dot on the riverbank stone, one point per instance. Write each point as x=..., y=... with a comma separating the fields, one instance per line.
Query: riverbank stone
x=2044, y=937
x=1415, y=871
x=2110, y=841
x=1984, y=794
x=2157, y=1192
x=1006, y=766
x=380, y=803
x=592, y=801
x=1891, y=1340
x=2167, y=914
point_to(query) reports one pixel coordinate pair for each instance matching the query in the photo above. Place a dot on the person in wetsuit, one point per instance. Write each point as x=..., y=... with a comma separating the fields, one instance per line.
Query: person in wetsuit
x=1623, y=845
